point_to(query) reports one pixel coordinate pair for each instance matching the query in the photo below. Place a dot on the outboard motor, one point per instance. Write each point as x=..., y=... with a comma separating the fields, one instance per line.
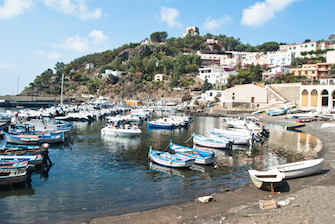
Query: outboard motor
x=212, y=154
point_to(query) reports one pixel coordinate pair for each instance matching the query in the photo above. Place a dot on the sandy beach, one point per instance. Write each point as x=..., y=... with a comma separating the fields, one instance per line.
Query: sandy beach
x=307, y=200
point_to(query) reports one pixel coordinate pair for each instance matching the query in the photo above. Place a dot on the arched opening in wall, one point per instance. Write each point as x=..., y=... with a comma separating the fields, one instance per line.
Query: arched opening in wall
x=314, y=98
x=333, y=98
x=304, y=98
x=324, y=98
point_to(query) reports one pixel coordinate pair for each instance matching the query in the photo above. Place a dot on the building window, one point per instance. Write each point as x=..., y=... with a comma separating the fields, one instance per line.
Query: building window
x=299, y=72
x=305, y=72
x=326, y=66
x=305, y=45
x=294, y=48
x=290, y=48
x=312, y=45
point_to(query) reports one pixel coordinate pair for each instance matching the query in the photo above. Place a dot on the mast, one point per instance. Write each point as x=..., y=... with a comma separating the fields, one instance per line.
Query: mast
x=17, y=90
x=61, y=94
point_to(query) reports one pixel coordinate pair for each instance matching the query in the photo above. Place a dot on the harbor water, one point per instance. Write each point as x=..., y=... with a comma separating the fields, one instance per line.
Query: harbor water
x=95, y=175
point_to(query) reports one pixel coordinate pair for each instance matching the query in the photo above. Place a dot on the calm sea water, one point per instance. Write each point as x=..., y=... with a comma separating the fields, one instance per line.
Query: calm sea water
x=95, y=176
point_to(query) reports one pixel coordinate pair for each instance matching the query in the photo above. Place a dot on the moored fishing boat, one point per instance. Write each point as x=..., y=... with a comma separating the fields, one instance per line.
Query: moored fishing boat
x=211, y=143
x=236, y=140
x=12, y=176
x=299, y=169
x=170, y=160
x=32, y=159
x=33, y=139
x=203, y=158
x=126, y=130
x=160, y=124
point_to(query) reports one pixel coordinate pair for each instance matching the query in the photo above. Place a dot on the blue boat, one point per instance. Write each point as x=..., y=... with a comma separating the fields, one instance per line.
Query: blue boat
x=203, y=158
x=33, y=139
x=276, y=112
x=160, y=124
x=169, y=160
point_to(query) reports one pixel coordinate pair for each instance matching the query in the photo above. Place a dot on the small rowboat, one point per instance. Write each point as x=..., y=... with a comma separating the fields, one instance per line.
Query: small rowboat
x=211, y=143
x=12, y=176
x=293, y=126
x=32, y=159
x=299, y=169
x=203, y=158
x=170, y=160
x=270, y=180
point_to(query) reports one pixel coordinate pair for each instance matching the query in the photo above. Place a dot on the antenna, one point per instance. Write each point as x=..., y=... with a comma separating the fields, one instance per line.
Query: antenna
x=61, y=94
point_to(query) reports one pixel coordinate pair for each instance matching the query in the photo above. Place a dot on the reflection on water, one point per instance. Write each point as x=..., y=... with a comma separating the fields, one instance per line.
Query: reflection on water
x=95, y=175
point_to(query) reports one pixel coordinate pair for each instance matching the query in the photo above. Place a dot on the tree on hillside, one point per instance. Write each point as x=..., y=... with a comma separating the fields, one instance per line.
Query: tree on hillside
x=331, y=38
x=269, y=46
x=206, y=86
x=158, y=36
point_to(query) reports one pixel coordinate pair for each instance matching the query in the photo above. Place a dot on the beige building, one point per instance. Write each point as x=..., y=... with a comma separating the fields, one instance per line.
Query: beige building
x=249, y=96
x=313, y=71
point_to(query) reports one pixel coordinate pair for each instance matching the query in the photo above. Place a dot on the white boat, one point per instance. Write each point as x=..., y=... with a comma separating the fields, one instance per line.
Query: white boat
x=170, y=160
x=236, y=140
x=211, y=143
x=126, y=130
x=308, y=115
x=270, y=180
x=234, y=133
x=249, y=122
x=299, y=169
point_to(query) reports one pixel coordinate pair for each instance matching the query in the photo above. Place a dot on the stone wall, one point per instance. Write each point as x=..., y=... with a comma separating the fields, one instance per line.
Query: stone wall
x=290, y=91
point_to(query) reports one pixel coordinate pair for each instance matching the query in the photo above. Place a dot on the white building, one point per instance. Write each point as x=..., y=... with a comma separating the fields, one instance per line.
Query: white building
x=297, y=49
x=210, y=95
x=111, y=72
x=330, y=56
x=160, y=77
x=89, y=66
x=214, y=75
x=211, y=56
x=273, y=71
x=279, y=58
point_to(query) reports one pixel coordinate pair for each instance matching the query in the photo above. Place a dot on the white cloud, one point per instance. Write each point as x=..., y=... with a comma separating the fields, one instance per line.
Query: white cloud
x=7, y=65
x=54, y=55
x=14, y=7
x=261, y=12
x=82, y=44
x=98, y=36
x=170, y=15
x=39, y=53
x=74, y=7
x=212, y=24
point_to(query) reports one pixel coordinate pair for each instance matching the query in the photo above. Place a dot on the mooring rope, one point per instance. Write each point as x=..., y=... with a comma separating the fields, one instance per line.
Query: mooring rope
x=17, y=210
x=189, y=139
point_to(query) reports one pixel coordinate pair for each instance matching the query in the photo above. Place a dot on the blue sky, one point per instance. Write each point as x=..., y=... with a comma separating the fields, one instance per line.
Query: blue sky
x=36, y=34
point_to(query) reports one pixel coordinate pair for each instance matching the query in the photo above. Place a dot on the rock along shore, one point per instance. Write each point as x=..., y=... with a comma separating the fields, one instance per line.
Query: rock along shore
x=311, y=199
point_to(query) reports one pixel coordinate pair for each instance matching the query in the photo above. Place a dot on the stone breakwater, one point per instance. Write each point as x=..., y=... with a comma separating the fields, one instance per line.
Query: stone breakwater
x=212, y=112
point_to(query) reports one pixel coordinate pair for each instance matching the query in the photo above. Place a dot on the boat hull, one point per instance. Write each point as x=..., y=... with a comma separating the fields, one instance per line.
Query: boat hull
x=16, y=176
x=121, y=132
x=270, y=180
x=300, y=169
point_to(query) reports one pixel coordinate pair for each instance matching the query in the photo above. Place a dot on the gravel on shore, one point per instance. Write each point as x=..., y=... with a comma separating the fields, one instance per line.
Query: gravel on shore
x=308, y=200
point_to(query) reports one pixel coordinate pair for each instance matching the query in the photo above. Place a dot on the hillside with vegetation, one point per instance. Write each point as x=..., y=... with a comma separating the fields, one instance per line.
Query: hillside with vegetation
x=174, y=57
